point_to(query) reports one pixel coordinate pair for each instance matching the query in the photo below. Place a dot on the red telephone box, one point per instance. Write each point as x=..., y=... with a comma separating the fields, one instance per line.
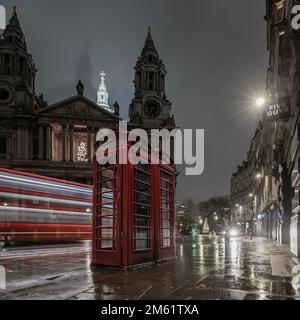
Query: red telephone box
x=134, y=214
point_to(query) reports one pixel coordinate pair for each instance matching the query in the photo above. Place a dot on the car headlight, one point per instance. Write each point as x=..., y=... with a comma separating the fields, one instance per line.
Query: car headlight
x=233, y=233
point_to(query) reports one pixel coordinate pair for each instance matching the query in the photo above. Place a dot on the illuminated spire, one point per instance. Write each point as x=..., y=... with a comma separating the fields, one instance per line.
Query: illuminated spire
x=102, y=94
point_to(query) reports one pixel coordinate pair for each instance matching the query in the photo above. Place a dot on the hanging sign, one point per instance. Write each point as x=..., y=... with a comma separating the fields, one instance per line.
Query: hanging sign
x=279, y=110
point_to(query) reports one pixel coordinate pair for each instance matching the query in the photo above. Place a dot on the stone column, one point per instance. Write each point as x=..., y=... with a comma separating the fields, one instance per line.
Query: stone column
x=9, y=149
x=63, y=137
x=71, y=129
x=41, y=143
x=48, y=143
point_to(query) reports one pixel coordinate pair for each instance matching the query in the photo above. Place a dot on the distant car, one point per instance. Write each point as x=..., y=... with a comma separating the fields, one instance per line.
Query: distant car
x=232, y=232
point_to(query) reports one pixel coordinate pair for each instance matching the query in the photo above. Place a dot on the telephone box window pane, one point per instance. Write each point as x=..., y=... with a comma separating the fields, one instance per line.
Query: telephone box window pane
x=167, y=214
x=142, y=198
x=165, y=204
x=107, y=196
x=142, y=176
x=106, y=218
x=166, y=233
x=166, y=224
x=142, y=210
x=165, y=194
x=143, y=167
x=107, y=222
x=142, y=187
x=107, y=234
x=106, y=212
x=100, y=222
x=106, y=245
x=166, y=242
x=107, y=208
x=141, y=221
x=141, y=244
x=142, y=233
x=165, y=184
x=107, y=174
x=109, y=184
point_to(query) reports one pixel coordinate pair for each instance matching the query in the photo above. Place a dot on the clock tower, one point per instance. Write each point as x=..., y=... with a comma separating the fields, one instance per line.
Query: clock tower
x=150, y=107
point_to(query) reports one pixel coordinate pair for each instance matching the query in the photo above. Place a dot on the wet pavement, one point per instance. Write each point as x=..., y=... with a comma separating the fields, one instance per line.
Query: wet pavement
x=206, y=268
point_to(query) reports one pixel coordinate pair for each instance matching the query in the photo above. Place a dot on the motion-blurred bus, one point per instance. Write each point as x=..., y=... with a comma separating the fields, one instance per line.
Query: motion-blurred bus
x=36, y=208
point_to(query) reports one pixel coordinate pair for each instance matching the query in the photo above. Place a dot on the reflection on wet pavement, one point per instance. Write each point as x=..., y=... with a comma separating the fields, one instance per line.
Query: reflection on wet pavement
x=206, y=268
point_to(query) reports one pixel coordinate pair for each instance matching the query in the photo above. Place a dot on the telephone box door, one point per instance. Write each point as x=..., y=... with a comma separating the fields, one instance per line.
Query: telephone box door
x=107, y=216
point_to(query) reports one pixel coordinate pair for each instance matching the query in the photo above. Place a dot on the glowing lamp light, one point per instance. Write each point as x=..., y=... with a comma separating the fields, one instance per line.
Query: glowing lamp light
x=260, y=101
x=258, y=176
x=233, y=233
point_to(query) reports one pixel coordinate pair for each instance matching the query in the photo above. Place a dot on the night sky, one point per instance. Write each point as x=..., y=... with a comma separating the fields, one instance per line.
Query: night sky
x=215, y=53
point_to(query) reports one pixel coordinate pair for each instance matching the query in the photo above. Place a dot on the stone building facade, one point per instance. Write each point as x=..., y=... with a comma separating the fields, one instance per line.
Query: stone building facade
x=273, y=154
x=57, y=140
x=240, y=197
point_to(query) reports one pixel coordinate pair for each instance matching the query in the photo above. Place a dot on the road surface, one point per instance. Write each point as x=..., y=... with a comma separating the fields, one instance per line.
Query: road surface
x=206, y=268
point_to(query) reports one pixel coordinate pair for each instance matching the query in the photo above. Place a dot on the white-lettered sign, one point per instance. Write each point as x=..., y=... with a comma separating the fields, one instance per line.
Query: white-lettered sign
x=278, y=110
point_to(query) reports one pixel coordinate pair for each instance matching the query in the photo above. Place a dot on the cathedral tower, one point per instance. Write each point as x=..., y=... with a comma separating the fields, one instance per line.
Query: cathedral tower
x=150, y=107
x=17, y=70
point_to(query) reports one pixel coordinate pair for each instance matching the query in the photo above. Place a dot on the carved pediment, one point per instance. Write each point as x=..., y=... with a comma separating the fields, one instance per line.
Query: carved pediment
x=76, y=107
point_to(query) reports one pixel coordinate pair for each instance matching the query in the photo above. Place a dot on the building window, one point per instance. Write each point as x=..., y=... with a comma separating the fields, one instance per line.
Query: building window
x=151, y=81
x=3, y=145
x=280, y=11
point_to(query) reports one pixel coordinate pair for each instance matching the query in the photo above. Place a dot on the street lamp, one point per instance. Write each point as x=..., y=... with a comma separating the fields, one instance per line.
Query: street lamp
x=258, y=176
x=261, y=101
